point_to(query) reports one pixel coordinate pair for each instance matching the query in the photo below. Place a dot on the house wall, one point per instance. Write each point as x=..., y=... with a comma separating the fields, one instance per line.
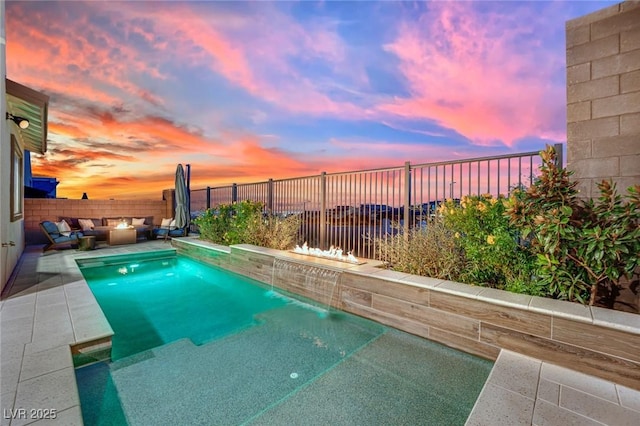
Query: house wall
x=11, y=233
x=37, y=210
x=603, y=97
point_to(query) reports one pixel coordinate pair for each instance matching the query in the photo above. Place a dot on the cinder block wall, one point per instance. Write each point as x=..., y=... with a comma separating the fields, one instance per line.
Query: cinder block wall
x=603, y=97
x=38, y=209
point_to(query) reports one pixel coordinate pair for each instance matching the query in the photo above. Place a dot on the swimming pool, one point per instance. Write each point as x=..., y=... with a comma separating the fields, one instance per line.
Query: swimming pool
x=198, y=345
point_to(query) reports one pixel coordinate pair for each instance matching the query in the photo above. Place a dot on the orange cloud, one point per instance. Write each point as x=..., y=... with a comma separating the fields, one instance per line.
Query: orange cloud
x=114, y=131
x=51, y=55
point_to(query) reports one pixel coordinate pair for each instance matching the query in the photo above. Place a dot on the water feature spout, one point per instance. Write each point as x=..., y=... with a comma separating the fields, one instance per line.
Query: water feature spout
x=318, y=283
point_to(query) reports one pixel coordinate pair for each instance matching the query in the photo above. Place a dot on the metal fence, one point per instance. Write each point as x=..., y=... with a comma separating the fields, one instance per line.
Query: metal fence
x=351, y=209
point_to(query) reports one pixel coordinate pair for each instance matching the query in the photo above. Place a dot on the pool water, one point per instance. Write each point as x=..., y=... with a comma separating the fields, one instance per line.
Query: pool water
x=153, y=302
x=198, y=345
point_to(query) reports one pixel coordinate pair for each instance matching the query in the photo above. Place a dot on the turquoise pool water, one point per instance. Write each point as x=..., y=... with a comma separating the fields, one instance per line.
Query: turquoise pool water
x=198, y=345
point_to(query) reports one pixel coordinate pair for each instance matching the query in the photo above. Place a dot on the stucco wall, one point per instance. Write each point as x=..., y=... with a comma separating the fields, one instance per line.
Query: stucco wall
x=11, y=232
x=603, y=97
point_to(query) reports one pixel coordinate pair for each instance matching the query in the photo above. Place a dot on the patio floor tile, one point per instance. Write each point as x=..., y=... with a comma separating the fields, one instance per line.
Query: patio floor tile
x=629, y=398
x=597, y=409
x=517, y=373
x=56, y=390
x=550, y=414
x=498, y=406
x=591, y=385
x=36, y=364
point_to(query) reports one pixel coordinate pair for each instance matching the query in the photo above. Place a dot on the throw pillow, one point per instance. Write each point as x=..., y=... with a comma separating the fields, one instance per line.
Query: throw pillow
x=64, y=228
x=72, y=221
x=113, y=222
x=166, y=223
x=86, y=224
x=172, y=225
x=137, y=222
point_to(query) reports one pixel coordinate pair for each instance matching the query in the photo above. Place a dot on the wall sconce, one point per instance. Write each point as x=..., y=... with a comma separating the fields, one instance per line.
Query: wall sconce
x=23, y=123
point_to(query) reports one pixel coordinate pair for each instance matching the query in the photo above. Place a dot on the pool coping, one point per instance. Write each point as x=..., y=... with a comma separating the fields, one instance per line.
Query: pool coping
x=37, y=369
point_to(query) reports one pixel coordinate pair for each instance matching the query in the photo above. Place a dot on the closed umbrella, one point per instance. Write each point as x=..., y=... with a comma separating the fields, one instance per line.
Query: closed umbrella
x=182, y=200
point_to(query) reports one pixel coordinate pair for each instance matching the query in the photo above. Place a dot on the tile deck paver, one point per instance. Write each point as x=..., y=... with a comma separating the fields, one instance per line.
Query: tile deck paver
x=50, y=307
x=557, y=396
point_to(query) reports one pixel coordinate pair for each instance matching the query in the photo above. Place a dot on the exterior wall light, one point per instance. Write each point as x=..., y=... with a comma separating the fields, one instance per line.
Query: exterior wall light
x=23, y=123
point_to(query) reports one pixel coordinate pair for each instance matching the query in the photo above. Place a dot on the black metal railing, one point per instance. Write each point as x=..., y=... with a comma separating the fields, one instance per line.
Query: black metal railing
x=347, y=209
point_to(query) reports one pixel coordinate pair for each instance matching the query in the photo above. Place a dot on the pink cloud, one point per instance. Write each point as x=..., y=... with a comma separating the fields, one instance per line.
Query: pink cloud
x=253, y=53
x=449, y=66
x=463, y=72
x=48, y=53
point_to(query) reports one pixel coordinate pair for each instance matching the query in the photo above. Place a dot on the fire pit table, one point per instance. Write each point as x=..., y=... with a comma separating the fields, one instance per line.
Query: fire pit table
x=121, y=236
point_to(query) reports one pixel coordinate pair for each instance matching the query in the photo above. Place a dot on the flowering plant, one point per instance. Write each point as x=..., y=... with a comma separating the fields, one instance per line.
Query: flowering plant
x=581, y=247
x=494, y=255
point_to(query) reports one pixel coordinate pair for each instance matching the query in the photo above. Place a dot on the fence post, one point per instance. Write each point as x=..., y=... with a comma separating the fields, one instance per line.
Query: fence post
x=559, y=159
x=208, y=197
x=323, y=210
x=234, y=193
x=270, y=196
x=407, y=198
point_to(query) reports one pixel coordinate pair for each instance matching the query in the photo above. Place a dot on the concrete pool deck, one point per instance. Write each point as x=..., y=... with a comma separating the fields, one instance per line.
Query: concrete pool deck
x=49, y=308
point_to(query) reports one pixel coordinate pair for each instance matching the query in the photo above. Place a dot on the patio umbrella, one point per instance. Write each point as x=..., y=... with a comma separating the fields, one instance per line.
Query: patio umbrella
x=182, y=199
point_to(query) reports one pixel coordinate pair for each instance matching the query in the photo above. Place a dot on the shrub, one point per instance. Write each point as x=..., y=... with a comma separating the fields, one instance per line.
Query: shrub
x=274, y=232
x=580, y=246
x=244, y=223
x=491, y=245
x=212, y=225
x=429, y=251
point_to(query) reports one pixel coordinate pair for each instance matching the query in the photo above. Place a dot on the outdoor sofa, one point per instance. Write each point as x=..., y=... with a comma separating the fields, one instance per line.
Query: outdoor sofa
x=102, y=226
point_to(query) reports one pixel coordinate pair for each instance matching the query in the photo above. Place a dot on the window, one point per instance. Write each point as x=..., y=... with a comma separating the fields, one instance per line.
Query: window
x=17, y=180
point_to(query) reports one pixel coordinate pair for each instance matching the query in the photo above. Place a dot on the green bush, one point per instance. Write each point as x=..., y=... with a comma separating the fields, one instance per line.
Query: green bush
x=491, y=245
x=244, y=223
x=274, y=232
x=580, y=246
x=429, y=251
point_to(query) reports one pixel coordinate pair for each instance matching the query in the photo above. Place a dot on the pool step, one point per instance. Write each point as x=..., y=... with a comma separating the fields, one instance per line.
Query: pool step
x=92, y=351
x=131, y=360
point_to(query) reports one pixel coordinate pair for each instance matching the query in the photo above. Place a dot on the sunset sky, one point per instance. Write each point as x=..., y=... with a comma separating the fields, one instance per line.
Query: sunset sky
x=246, y=91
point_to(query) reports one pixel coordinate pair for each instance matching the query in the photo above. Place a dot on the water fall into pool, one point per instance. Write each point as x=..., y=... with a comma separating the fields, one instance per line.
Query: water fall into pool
x=199, y=345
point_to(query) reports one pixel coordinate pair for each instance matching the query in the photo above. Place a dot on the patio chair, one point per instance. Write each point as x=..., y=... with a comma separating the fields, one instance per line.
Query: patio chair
x=168, y=233
x=56, y=239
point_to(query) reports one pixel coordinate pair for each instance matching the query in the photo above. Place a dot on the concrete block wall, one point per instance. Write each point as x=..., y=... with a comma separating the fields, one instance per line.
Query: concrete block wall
x=38, y=209
x=603, y=97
